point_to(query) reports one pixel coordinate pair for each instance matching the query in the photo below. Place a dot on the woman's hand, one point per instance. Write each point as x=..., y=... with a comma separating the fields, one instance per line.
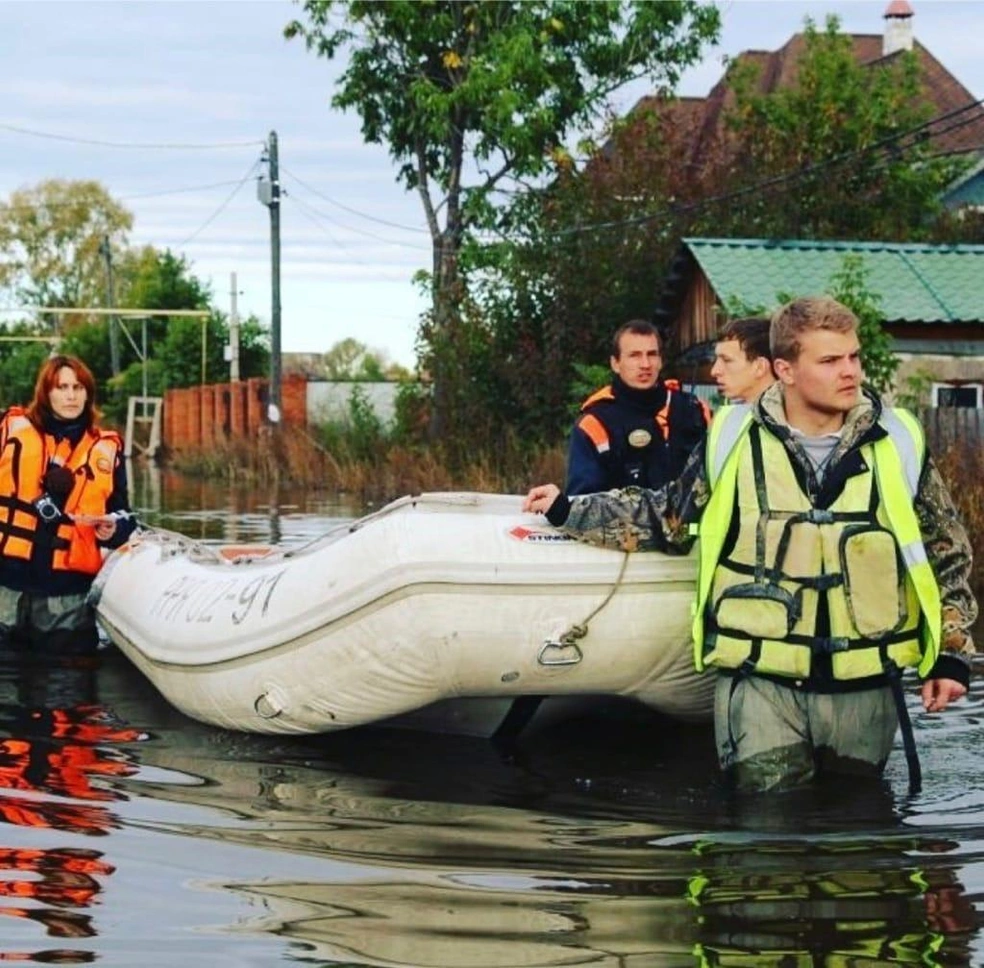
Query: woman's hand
x=539, y=498
x=105, y=528
x=103, y=524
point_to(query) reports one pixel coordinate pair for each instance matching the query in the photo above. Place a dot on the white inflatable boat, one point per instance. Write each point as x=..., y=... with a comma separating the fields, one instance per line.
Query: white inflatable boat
x=430, y=601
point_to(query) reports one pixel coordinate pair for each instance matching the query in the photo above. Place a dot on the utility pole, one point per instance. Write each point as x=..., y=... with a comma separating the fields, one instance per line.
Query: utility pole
x=268, y=191
x=114, y=337
x=233, y=329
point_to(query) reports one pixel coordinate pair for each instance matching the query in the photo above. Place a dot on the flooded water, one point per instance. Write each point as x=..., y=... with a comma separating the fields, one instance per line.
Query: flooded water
x=134, y=836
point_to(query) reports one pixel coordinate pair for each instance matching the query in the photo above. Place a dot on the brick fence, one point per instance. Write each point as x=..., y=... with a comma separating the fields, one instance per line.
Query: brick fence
x=202, y=416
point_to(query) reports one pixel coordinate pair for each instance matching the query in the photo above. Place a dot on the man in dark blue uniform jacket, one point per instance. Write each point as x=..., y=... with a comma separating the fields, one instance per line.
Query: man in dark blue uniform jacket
x=639, y=429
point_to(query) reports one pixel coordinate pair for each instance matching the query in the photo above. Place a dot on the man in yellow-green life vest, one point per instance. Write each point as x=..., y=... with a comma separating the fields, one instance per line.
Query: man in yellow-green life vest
x=831, y=559
x=742, y=367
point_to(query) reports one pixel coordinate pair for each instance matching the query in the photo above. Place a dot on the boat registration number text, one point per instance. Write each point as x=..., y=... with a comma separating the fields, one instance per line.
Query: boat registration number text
x=206, y=599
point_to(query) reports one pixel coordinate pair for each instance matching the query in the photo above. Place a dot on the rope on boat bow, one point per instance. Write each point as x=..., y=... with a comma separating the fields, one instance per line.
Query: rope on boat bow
x=578, y=630
x=524, y=708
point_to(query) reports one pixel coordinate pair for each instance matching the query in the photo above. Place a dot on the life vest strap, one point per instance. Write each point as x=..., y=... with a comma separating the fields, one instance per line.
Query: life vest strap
x=15, y=503
x=831, y=644
x=894, y=675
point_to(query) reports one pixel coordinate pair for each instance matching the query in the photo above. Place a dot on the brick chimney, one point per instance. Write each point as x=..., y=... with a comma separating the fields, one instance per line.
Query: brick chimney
x=898, y=27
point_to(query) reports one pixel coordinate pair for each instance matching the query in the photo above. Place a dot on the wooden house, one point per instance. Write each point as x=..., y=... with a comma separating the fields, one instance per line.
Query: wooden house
x=931, y=297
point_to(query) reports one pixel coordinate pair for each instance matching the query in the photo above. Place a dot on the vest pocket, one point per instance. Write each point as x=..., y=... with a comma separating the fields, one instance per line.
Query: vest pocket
x=758, y=609
x=869, y=562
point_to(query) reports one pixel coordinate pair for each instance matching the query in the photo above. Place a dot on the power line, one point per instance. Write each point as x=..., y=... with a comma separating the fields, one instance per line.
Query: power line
x=353, y=211
x=785, y=177
x=201, y=228
x=128, y=144
x=164, y=191
x=168, y=191
x=310, y=215
x=351, y=228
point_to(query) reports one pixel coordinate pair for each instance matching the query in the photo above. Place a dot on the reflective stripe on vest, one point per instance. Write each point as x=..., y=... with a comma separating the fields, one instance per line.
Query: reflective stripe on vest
x=596, y=432
x=662, y=416
x=894, y=463
x=729, y=426
x=726, y=430
x=897, y=469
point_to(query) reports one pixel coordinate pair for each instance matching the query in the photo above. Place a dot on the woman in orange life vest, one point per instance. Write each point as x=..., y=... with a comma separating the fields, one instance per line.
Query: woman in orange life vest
x=63, y=499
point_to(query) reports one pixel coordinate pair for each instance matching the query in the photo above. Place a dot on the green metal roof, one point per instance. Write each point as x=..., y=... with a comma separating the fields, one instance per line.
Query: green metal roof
x=916, y=283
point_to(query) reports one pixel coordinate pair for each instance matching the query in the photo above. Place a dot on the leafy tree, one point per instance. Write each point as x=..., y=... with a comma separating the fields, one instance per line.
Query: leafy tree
x=349, y=359
x=853, y=137
x=50, y=239
x=469, y=96
x=827, y=157
x=20, y=361
x=254, y=346
x=149, y=278
x=89, y=341
x=849, y=285
x=181, y=352
x=152, y=279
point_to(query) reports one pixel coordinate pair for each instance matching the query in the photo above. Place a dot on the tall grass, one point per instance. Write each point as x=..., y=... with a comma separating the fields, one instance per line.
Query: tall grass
x=962, y=467
x=366, y=464
x=344, y=465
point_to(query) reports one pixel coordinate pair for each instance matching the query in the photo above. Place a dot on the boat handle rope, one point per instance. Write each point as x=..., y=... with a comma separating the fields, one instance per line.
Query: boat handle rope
x=568, y=640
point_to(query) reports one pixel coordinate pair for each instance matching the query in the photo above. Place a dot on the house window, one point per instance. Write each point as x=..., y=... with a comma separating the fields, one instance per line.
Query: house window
x=958, y=395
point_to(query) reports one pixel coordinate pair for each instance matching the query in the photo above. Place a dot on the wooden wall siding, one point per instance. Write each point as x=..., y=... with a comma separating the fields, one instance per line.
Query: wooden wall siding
x=697, y=321
x=947, y=426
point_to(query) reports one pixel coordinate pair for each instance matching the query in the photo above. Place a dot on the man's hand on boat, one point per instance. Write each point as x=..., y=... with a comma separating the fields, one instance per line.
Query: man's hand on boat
x=540, y=498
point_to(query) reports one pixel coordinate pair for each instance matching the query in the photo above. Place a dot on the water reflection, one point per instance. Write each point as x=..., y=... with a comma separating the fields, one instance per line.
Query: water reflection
x=599, y=849
x=52, y=759
x=233, y=512
x=865, y=902
x=611, y=843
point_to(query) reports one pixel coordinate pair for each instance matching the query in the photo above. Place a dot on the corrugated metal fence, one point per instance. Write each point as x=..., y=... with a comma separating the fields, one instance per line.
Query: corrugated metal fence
x=946, y=426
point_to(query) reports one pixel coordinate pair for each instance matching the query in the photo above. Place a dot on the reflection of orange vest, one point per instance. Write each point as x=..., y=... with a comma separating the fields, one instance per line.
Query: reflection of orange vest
x=67, y=724
x=17, y=812
x=71, y=768
x=60, y=816
x=55, y=887
x=15, y=760
x=24, y=458
x=68, y=769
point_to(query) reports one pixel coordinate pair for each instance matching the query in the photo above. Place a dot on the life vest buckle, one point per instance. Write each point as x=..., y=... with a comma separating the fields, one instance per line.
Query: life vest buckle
x=828, y=645
x=820, y=516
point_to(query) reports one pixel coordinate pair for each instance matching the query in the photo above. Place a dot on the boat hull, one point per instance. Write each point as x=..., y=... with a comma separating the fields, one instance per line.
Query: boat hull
x=405, y=613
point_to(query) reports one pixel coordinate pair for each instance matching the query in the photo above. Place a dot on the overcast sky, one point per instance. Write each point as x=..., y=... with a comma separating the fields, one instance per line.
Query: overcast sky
x=168, y=105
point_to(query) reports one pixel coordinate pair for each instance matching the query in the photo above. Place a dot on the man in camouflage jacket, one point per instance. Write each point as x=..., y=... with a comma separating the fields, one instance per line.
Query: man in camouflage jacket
x=770, y=716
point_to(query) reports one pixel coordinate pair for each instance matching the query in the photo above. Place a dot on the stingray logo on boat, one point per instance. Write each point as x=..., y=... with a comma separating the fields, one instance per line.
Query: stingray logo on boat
x=522, y=533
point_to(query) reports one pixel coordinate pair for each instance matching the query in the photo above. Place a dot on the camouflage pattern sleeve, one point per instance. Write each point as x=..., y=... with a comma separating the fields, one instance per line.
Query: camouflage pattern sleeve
x=949, y=551
x=640, y=519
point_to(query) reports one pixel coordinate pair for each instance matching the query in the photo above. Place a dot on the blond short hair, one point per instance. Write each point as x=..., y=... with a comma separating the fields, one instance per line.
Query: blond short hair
x=804, y=315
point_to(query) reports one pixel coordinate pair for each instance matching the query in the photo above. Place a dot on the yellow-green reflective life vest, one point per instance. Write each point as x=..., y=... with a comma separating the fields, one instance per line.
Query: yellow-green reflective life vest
x=757, y=607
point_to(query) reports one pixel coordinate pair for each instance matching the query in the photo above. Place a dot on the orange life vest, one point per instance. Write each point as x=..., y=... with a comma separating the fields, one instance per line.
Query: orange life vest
x=24, y=457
